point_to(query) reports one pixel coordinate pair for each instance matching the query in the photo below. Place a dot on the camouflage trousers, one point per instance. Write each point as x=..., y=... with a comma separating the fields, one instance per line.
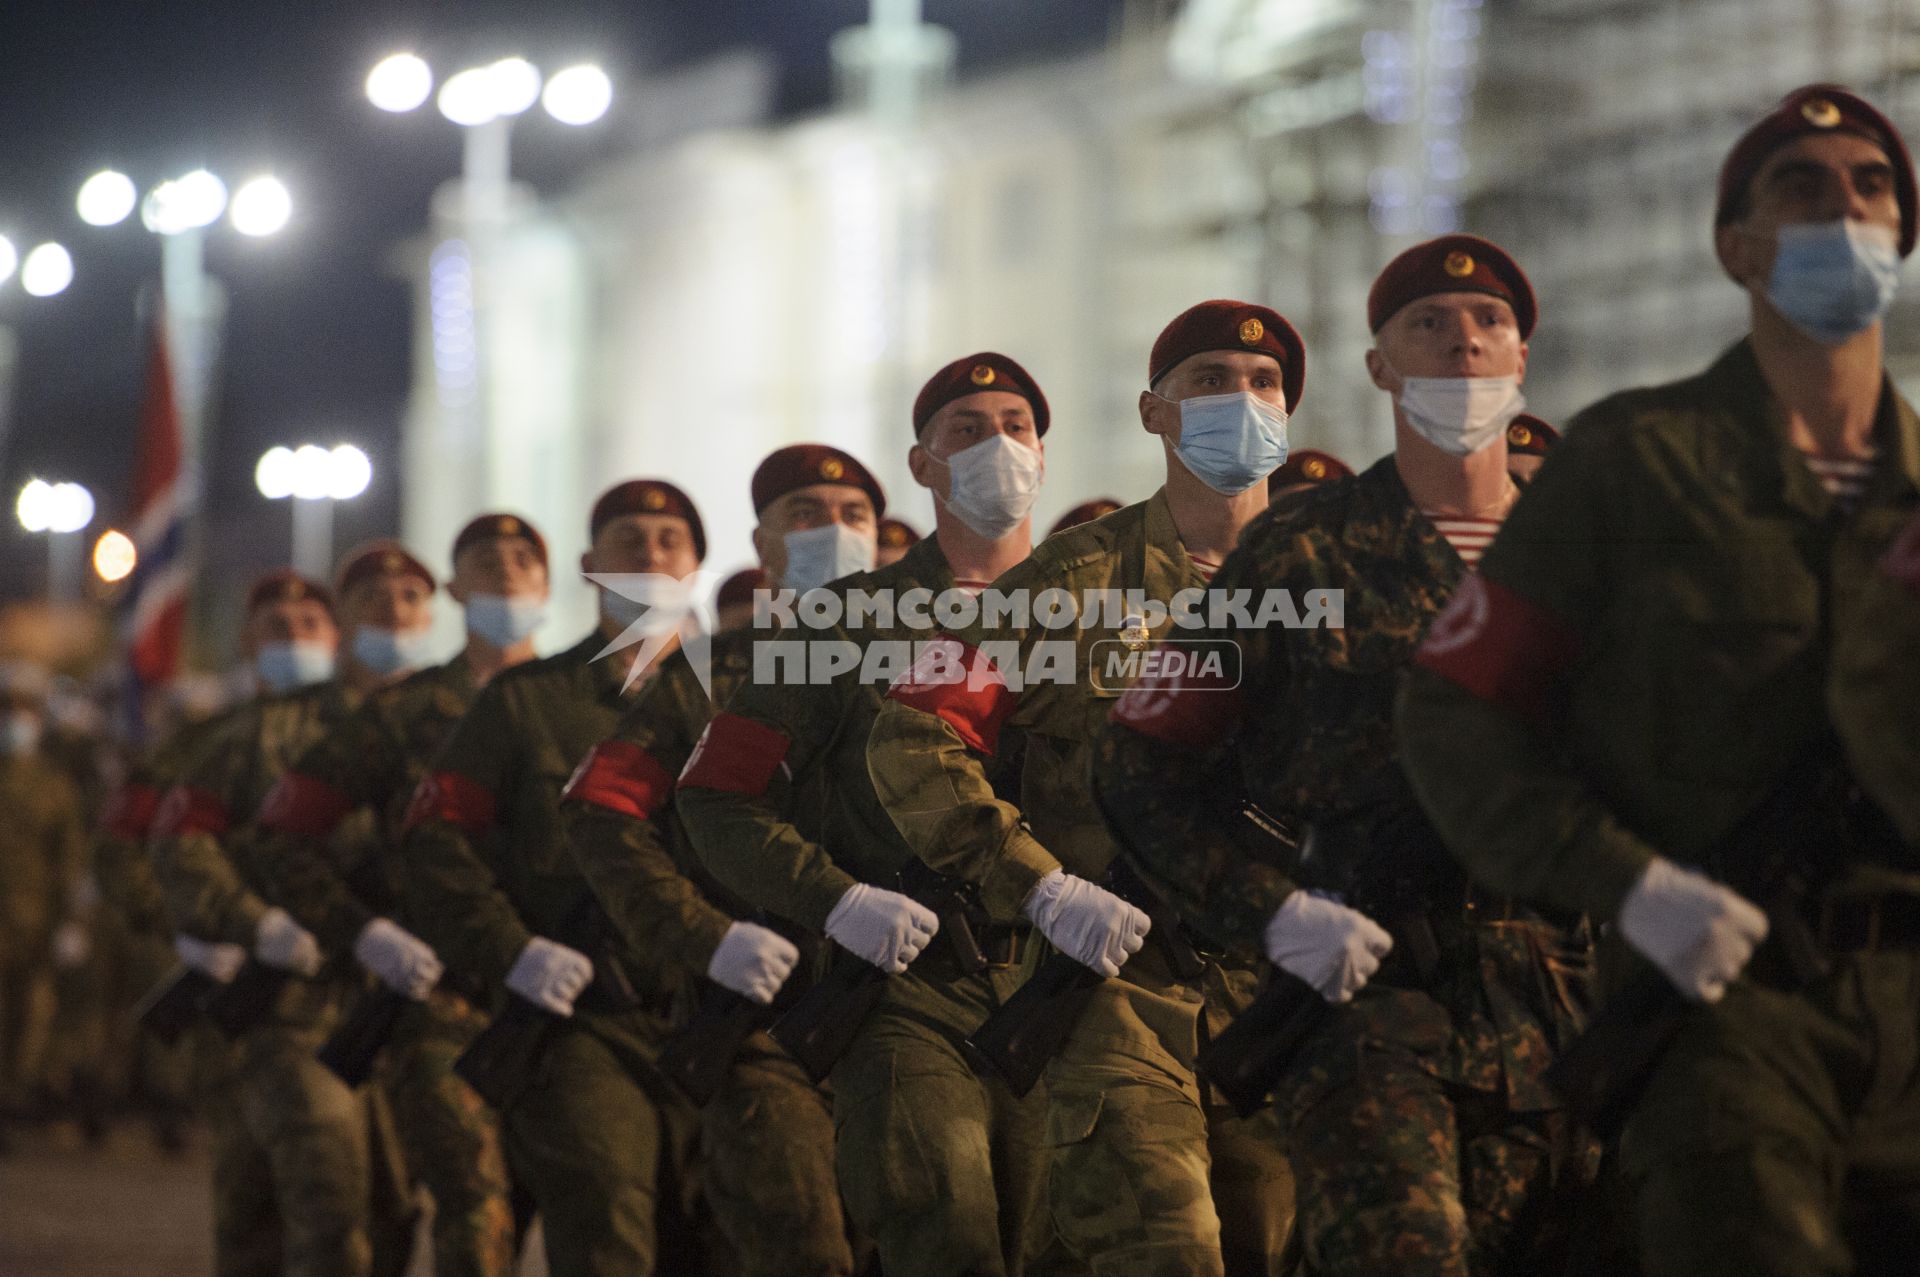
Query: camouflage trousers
x=767, y=1143
x=944, y=1169
x=1780, y=1136
x=452, y=1138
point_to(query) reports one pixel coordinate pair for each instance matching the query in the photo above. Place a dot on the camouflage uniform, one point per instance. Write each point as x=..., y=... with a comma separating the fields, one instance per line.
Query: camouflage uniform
x=42, y=851
x=373, y=762
x=1127, y=1126
x=767, y=1134
x=1876, y=683
x=1646, y=653
x=1422, y=1135
x=943, y=1168
x=485, y=869
x=286, y=1130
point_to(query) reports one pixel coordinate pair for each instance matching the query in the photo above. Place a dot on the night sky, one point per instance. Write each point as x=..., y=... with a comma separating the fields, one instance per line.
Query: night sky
x=316, y=340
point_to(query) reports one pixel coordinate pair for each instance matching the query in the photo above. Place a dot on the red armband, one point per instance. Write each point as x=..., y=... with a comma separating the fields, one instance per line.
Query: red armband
x=622, y=777
x=305, y=805
x=735, y=755
x=1499, y=646
x=1902, y=560
x=1191, y=709
x=459, y=800
x=958, y=684
x=130, y=811
x=186, y=810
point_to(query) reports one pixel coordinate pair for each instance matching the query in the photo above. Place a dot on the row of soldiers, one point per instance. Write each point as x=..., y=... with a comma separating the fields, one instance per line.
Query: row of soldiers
x=1524, y=733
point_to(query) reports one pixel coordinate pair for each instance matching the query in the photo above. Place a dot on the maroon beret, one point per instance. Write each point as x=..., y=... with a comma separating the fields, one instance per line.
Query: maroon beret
x=739, y=587
x=988, y=370
x=1308, y=465
x=1530, y=437
x=1452, y=264
x=376, y=558
x=284, y=585
x=801, y=465
x=895, y=535
x=647, y=496
x=1230, y=325
x=490, y=527
x=1085, y=512
x=1815, y=108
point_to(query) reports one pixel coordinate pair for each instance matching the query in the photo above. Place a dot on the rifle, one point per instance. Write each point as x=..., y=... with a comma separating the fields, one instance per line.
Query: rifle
x=350, y=1049
x=171, y=1006
x=1813, y=810
x=1031, y=1027
x=821, y=1025
x=242, y=1003
x=696, y=1059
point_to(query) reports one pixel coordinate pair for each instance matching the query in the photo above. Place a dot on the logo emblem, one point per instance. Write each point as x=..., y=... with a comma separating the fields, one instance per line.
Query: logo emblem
x=653, y=499
x=1820, y=112
x=1314, y=468
x=1458, y=264
x=831, y=468
x=392, y=562
x=1519, y=436
x=508, y=526
x=1251, y=331
x=1134, y=634
x=981, y=375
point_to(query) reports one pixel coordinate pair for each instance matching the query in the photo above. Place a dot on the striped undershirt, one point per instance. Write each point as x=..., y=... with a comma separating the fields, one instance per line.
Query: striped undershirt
x=1844, y=478
x=1468, y=537
x=1205, y=567
x=967, y=585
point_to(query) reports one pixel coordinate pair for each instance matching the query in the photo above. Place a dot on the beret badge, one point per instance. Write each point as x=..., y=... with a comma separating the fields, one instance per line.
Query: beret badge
x=1519, y=436
x=830, y=468
x=1251, y=331
x=1820, y=112
x=1458, y=264
x=981, y=375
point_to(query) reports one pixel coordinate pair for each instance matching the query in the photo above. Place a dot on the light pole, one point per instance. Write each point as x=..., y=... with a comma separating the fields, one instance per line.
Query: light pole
x=313, y=478
x=60, y=510
x=46, y=272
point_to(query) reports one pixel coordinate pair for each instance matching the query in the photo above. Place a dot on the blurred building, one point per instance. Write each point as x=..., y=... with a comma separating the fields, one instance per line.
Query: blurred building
x=734, y=285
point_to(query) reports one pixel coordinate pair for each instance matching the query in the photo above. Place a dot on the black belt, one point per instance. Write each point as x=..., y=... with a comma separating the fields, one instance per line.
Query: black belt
x=1004, y=943
x=1854, y=924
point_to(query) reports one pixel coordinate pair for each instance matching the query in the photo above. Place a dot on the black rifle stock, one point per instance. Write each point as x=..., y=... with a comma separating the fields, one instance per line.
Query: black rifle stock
x=350, y=1049
x=697, y=1058
x=819, y=1027
x=499, y=1063
x=245, y=1001
x=170, y=1007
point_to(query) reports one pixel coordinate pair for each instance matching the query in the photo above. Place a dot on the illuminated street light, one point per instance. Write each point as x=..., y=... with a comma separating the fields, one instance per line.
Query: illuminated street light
x=467, y=98
x=60, y=509
x=185, y=203
x=348, y=472
x=114, y=556
x=274, y=474
x=47, y=271
x=315, y=477
x=399, y=83
x=578, y=95
x=514, y=84
x=261, y=207
x=106, y=198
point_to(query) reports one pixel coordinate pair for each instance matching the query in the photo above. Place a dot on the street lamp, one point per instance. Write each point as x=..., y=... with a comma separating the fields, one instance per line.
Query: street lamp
x=114, y=556
x=47, y=271
x=106, y=199
x=60, y=510
x=314, y=478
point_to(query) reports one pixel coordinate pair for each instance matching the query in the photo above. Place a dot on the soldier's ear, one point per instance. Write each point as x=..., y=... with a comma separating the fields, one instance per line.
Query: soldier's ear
x=1741, y=252
x=1521, y=374
x=1381, y=371
x=1151, y=406
x=918, y=465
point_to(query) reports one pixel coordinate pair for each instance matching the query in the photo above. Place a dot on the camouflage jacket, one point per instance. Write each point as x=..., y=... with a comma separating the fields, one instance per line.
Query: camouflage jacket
x=42, y=852
x=369, y=765
x=936, y=744
x=485, y=855
x=1308, y=735
x=1876, y=684
x=1647, y=647
x=785, y=812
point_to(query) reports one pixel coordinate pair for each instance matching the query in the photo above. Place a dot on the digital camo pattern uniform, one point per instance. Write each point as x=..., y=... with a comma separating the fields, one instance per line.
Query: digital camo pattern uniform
x=372, y=762
x=1658, y=613
x=290, y=1138
x=1423, y=1139
x=1876, y=683
x=486, y=868
x=767, y=1134
x=943, y=1168
x=42, y=857
x=1127, y=1128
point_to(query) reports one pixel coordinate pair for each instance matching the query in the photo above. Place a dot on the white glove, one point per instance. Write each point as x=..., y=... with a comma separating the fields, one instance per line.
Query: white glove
x=550, y=975
x=279, y=941
x=71, y=945
x=883, y=927
x=1333, y=948
x=219, y=962
x=1089, y=924
x=1699, y=933
x=752, y=961
x=404, y=962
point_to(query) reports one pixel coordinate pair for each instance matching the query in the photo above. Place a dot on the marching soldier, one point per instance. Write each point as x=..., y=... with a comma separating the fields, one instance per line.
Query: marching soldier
x=1137, y=1160
x=940, y=1166
x=489, y=885
x=1529, y=439
x=1644, y=660
x=733, y=601
x=767, y=1131
x=895, y=539
x=1305, y=468
x=372, y=763
x=1422, y=1136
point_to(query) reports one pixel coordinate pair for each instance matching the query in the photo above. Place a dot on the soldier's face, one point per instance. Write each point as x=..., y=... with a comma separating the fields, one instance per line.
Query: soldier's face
x=1824, y=177
x=1211, y=372
x=815, y=506
x=397, y=601
x=300, y=621
x=506, y=566
x=964, y=422
x=1448, y=335
x=657, y=543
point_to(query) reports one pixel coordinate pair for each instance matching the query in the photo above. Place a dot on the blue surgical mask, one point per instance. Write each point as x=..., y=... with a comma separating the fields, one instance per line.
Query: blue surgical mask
x=654, y=602
x=816, y=556
x=505, y=619
x=1233, y=441
x=388, y=652
x=1834, y=279
x=284, y=667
